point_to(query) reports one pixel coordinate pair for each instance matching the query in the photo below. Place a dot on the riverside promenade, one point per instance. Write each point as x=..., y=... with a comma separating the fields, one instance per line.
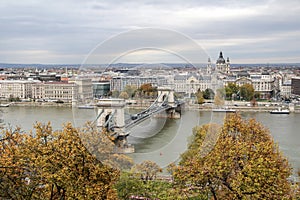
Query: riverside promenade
x=241, y=106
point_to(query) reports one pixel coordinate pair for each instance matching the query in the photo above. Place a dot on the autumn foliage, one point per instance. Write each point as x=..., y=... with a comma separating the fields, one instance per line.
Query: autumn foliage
x=47, y=164
x=244, y=163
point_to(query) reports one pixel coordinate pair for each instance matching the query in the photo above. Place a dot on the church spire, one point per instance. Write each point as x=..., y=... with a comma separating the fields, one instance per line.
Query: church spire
x=221, y=54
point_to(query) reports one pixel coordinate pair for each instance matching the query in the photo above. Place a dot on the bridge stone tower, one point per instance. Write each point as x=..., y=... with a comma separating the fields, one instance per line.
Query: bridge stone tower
x=111, y=117
x=165, y=93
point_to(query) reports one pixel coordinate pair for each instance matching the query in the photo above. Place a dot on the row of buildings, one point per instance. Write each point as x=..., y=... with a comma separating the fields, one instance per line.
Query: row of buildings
x=186, y=81
x=77, y=89
x=268, y=83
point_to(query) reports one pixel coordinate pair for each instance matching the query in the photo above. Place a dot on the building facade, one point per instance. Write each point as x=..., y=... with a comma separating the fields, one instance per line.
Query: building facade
x=286, y=89
x=15, y=89
x=119, y=83
x=60, y=91
x=38, y=90
x=295, y=86
x=101, y=89
x=222, y=65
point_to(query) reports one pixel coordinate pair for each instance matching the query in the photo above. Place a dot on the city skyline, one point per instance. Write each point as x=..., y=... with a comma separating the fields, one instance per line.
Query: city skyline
x=64, y=32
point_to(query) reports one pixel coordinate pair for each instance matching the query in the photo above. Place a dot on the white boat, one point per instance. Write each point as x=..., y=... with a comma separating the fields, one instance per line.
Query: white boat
x=280, y=111
x=87, y=106
x=227, y=110
x=4, y=105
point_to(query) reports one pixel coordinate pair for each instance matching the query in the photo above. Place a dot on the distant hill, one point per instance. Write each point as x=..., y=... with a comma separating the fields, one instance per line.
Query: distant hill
x=132, y=65
x=11, y=65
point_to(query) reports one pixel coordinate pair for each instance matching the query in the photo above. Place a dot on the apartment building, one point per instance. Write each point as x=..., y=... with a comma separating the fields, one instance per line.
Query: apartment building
x=84, y=89
x=57, y=91
x=16, y=89
x=295, y=85
x=118, y=83
x=26, y=89
x=190, y=83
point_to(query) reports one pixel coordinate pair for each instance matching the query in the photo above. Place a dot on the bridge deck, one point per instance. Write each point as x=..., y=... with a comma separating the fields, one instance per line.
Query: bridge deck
x=145, y=114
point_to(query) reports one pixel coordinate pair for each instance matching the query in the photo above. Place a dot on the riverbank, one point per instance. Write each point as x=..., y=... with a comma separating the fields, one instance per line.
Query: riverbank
x=237, y=108
x=143, y=104
x=245, y=106
x=40, y=104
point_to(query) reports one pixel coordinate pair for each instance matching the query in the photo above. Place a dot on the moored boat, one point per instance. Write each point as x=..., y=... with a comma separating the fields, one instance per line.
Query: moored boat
x=86, y=106
x=280, y=111
x=227, y=110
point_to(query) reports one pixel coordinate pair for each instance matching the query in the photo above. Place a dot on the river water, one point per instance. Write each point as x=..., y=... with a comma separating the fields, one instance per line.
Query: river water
x=159, y=139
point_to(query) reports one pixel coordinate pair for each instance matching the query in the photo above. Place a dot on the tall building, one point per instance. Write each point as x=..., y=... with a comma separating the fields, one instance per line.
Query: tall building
x=296, y=85
x=209, y=67
x=222, y=65
x=85, y=89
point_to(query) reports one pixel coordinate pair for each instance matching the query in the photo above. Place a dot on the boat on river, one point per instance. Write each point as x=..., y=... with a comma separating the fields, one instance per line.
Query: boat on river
x=4, y=105
x=226, y=110
x=86, y=106
x=280, y=111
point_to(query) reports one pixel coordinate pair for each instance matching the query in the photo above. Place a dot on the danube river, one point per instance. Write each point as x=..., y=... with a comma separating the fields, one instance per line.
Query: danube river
x=159, y=139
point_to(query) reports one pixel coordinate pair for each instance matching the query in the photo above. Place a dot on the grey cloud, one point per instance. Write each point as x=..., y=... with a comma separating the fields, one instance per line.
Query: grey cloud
x=74, y=27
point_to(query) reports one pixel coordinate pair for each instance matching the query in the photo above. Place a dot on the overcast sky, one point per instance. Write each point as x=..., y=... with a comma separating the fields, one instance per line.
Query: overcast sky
x=66, y=31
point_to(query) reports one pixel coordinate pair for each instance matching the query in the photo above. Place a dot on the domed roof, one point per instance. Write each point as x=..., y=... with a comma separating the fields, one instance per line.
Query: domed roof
x=221, y=60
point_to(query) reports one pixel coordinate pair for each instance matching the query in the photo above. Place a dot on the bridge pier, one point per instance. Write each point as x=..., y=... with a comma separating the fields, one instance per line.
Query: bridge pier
x=111, y=118
x=173, y=114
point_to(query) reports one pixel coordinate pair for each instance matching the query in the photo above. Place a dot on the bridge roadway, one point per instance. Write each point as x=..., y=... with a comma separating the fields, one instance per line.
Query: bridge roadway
x=145, y=114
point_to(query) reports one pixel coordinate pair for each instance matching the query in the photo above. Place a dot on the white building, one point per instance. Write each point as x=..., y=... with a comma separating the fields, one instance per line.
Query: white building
x=286, y=89
x=119, y=83
x=15, y=89
x=26, y=89
x=59, y=91
x=85, y=89
x=263, y=82
x=191, y=83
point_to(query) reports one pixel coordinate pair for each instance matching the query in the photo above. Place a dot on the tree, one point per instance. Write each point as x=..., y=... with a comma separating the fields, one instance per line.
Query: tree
x=130, y=90
x=147, y=90
x=141, y=183
x=52, y=165
x=231, y=89
x=124, y=95
x=147, y=170
x=219, y=97
x=244, y=163
x=257, y=95
x=247, y=92
x=199, y=95
x=129, y=187
x=115, y=94
x=208, y=93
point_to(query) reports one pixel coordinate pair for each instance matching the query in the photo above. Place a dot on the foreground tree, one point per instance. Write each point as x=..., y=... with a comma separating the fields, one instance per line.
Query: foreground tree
x=52, y=165
x=147, y=170
x=243, y=164
x=142, y=183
